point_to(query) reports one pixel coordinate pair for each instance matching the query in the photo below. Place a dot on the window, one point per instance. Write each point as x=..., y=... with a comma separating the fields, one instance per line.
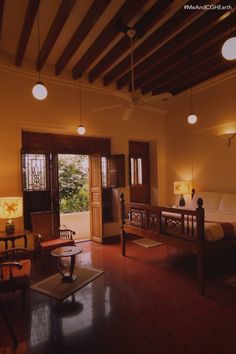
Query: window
x=34, y=172
x=113, y=176
x=104, y=172
x=113, y=171
x=136, y=176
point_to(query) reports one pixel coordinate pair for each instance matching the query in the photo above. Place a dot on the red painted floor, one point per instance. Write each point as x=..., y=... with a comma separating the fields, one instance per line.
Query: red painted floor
x=146, y=302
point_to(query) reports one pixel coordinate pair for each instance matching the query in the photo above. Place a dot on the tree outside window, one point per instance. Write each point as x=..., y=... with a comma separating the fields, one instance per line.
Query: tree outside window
x=73, y=183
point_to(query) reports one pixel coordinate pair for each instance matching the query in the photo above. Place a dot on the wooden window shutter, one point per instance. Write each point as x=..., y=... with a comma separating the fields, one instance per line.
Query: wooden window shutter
x=116, y=171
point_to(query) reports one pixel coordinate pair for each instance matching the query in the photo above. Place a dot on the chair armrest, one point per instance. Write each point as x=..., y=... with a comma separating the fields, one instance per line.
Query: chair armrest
x=14, y=253
x=66, y=233
x=17, y=265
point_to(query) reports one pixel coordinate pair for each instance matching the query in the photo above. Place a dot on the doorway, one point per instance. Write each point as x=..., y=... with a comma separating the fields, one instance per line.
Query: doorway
x=73, y=181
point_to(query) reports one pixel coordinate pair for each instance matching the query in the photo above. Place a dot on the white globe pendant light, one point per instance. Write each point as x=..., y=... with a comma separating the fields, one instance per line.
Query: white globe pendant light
x=39, y=91
x=81, y=129
x=229, y=49
x=192, y=119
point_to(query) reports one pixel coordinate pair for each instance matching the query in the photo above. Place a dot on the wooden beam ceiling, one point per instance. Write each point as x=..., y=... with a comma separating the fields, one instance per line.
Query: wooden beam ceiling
x=217, y=69
x=55, y=29
x=156, y=38
x=169, y=70
x=205, y=43
x=91, y=17
x=31, y=12
x=126, y=13
x=148, y=20
x=173, y=35
x=201, y=25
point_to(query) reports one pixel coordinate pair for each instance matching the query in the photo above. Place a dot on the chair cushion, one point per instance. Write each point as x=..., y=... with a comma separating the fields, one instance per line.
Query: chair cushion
x=21, y=274
x=56, y=242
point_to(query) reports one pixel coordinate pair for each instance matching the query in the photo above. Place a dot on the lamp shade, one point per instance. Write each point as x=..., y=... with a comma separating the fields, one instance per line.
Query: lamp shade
x=81, y=130
x=39, y=91
x=182, y=188
x=229, y=49
x=10, y=207
x=192, y=119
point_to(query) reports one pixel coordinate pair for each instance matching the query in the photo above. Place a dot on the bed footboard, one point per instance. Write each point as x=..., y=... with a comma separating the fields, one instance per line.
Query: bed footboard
x=176, y=227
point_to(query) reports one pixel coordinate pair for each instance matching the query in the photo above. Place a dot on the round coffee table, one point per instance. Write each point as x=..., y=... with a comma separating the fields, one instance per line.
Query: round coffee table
x=68, y=251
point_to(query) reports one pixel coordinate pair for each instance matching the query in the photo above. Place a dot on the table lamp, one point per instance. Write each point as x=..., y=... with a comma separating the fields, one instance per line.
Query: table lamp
x=10, y=208
x=182, y=188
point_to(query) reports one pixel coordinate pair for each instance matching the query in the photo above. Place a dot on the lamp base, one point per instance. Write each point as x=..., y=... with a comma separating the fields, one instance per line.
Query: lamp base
x=181, y=201
x=10, y=228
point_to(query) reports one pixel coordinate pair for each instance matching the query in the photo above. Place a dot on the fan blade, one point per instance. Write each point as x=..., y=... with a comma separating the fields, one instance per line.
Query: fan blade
x=127, y=114
x=161, y=97
x=107, y=107
x=155, y=109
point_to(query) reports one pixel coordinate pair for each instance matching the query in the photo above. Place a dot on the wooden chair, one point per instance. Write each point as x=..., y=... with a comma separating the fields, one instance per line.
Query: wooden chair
x=46, y=232
x=15, y=272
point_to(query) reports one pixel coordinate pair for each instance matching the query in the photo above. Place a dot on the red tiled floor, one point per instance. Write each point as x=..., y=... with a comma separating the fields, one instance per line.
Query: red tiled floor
x=146, y=302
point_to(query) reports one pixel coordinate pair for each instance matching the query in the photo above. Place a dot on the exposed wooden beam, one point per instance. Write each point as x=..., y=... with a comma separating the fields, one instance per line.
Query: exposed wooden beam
x=199, y=27
x=1, y=14
x=126, y=13
x=190, y=71
x=91, y=17
x=156, y=38
x=204, y=46
x=216, y=70
x=31, y=12
x=55, y=29
x=177, y=70
x=150, y=18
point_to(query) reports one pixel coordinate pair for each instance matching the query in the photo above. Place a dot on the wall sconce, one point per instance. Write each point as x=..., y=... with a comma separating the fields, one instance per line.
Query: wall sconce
x=181, y=188
x=228, y=137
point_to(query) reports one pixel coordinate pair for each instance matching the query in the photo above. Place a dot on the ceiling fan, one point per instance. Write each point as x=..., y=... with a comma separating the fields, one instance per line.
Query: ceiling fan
x=134, y=100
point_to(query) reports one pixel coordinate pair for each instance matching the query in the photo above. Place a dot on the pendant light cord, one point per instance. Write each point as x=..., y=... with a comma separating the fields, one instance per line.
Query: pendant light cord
x=80, y=108
x=132, y=66
x=191, y=100
x=39, y=61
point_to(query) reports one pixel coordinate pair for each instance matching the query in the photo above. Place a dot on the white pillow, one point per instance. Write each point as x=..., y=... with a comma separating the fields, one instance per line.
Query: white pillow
x=211, y=200
x=228, y=204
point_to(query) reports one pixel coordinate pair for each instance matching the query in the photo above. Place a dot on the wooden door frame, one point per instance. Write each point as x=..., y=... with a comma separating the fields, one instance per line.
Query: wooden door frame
x=48, y=143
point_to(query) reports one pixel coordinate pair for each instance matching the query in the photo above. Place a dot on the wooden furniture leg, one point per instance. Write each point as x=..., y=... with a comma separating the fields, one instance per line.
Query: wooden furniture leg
x=122, y=232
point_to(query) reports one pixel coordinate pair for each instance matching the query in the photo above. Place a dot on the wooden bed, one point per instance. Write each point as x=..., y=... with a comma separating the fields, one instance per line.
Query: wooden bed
x=180, y=228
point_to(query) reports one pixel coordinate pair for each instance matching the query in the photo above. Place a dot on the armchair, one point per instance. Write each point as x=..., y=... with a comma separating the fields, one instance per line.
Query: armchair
x=46, y=232
x=15, y=272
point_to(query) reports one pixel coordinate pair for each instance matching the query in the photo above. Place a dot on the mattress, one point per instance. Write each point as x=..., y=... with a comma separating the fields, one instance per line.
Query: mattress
x=219, y=225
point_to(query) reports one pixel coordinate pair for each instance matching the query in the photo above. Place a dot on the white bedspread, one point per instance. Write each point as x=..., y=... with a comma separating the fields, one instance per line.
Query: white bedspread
x=214, y=231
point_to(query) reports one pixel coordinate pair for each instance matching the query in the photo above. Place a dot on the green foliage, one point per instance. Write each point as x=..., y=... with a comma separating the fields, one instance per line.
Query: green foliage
x=73, y=183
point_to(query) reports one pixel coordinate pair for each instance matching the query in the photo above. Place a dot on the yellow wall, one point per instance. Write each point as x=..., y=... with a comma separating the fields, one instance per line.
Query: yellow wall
x=60, y=113
x=178, y=150
x=200, y=150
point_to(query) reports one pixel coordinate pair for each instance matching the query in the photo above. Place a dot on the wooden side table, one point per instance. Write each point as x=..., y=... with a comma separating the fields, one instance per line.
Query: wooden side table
x=12, y=238
x=68, y=251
